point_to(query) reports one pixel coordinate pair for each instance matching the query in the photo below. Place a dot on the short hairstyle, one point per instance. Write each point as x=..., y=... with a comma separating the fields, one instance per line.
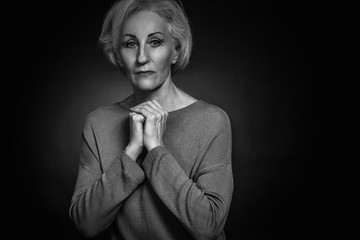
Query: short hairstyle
x=170, y=10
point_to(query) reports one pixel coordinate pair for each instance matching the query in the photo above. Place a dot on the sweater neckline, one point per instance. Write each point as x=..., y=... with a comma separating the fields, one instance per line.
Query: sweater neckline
x=174, y=111
x=184, y=108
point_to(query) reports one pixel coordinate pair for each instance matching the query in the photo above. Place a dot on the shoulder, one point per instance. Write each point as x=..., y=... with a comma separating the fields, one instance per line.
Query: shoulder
x=106, y=114
x=215, y=114
x=210, y=117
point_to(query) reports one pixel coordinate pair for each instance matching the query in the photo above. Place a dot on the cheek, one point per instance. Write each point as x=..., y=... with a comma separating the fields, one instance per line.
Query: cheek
x=163, y=58
x=127, y=59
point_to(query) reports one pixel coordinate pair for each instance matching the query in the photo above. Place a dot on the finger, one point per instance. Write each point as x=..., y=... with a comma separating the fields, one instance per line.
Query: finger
x=161, y=125
x=152, y=110
x=149, y=115
x=157, y=108
x=157, y=104
x=147, y=103
x=149, y=108
x=142, y=104
x=137, y=117
x=164, y=112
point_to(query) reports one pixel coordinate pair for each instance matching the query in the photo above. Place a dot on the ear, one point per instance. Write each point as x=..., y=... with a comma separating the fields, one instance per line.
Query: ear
x=115, y=59
x=176, y=55
x=119, y=62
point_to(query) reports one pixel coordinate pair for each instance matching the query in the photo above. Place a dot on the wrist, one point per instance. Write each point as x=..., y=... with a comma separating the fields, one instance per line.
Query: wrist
x=133, y=151
x=152, y=145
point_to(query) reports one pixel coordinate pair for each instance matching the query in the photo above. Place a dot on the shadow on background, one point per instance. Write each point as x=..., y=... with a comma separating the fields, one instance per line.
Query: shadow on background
x=250, y=58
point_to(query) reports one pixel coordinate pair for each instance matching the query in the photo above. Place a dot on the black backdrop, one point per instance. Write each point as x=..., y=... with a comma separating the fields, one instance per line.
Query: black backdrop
x=250, y=58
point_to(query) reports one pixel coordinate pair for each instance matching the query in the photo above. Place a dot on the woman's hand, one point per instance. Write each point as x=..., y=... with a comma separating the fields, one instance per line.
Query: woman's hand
x=155, y=123
x=135, y=146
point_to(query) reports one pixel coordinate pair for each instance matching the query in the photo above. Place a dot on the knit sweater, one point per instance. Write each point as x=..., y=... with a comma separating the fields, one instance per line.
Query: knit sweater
x=181, y=190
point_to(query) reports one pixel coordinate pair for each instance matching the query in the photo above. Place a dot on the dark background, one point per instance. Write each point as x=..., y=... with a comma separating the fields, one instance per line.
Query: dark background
x=251, y=58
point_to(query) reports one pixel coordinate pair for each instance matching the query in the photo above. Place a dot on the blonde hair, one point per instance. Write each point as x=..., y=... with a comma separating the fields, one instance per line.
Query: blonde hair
x=170, y=10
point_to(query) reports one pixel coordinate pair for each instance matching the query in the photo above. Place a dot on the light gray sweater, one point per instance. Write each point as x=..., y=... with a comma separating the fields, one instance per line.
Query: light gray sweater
x=181, y=190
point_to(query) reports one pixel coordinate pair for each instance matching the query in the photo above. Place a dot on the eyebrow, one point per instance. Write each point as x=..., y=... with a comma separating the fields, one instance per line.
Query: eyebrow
x=154, y=33
x=150, y=35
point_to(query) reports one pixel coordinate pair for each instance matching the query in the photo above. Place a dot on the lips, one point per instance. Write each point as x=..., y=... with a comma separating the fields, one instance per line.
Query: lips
x=145, y=73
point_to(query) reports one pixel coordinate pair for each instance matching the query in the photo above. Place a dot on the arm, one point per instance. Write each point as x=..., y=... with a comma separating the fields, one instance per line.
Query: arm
x=201, y=204
x=98, y=195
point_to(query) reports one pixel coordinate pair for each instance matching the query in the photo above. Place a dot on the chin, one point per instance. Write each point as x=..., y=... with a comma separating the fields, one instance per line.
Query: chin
x=143, y=87
x=147, y=84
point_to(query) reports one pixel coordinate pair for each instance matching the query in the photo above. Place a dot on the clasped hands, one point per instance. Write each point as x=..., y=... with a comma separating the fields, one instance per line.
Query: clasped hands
x=147, y=126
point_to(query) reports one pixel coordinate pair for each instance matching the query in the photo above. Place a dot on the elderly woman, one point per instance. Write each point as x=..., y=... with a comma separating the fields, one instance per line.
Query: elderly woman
x=156, y=165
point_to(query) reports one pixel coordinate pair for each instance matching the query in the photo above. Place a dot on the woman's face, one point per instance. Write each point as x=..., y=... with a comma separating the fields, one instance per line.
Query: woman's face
x=147, y=50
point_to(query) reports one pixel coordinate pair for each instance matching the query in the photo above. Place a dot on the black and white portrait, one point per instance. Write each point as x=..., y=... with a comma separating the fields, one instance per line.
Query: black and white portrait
x=162, y=119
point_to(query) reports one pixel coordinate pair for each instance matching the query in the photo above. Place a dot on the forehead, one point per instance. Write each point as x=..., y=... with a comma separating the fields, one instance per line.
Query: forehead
x=145, y=22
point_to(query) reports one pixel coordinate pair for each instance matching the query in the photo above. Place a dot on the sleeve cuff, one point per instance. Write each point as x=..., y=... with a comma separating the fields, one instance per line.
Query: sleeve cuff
x=155, y=153
x=131, y=168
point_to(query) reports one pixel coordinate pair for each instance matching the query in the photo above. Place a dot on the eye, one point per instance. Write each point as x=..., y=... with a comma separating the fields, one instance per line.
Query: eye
x=130, y=44
x=155, y=42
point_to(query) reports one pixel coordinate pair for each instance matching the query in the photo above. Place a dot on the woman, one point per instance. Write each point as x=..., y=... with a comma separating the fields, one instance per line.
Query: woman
x=166, y=174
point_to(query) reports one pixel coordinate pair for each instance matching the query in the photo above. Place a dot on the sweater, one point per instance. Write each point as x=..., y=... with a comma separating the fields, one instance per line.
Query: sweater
x=181, y=190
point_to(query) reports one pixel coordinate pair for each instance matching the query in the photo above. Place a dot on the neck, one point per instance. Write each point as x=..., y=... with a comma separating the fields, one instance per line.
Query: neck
x=166, y=95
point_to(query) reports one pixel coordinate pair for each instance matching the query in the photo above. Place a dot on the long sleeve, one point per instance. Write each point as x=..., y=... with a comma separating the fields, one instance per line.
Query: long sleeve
x=99, y=194
x=201, y=203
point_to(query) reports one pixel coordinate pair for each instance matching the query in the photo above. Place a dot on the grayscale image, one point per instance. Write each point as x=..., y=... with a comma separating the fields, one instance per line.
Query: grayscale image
x=162, y=120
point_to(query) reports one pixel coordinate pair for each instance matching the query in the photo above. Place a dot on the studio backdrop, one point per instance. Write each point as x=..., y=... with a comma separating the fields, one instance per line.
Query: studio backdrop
x=249, y=58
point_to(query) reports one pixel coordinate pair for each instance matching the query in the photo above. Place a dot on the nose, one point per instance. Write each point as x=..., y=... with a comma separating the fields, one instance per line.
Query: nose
x=143, y=55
